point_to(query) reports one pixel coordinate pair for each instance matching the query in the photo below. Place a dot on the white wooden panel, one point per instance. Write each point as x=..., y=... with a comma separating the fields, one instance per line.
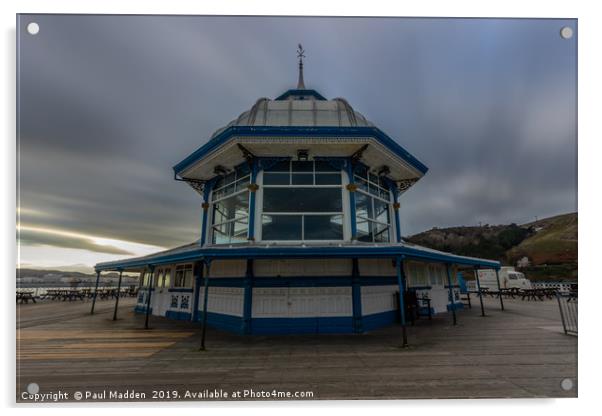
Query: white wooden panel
x=377, y=267
x=309, y=267
x=302, y=302
x=224, y=300
x=228, y=268
x=376, y=299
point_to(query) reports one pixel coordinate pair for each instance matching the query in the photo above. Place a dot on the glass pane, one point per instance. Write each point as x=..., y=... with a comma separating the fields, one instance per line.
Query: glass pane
x=221, y=234
x=363, y=205
x=303, y=166
x=361, y=184
x=302, y=200
x=328, y=178
x=374, y=190
x=323, y=227
x=239, y=230
x=381, y=209
x=361, y=171
x=167, y=278
x=236, y=206
x=385, y=195
x=242, y=184
x=188, y=278
x=322, y=166
x=381, y=233
x=303, y=179
x=281, y=227
x=228, y=189
x=178, y=280
x=283, y=166
x=276, y=179
x=363, y=230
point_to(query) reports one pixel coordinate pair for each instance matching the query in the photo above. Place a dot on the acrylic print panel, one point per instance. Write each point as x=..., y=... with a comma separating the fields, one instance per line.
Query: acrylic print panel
x=228, y=208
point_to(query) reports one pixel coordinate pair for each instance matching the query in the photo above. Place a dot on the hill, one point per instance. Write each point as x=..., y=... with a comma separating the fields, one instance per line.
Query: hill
x=543, y=250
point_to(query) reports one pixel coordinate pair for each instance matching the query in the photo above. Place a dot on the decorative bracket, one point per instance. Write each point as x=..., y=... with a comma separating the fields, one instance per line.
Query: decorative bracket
x=405, y=184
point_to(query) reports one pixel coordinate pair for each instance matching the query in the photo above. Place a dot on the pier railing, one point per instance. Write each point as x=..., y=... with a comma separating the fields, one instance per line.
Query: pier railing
x=568, y=312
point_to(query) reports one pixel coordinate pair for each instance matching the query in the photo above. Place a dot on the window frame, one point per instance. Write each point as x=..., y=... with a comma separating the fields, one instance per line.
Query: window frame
x=389, y=225
x=211, y=218
x=261, y=212
x=184, y=267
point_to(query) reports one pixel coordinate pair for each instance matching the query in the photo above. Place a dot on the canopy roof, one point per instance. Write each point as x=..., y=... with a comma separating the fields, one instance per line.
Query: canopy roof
x=300, y=119
x=196, y=252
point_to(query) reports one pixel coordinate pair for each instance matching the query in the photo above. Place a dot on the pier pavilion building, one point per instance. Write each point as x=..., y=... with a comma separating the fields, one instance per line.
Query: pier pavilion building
x=300, y=229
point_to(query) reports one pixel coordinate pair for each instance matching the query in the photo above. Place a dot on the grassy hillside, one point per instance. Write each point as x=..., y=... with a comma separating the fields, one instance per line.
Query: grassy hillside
x=545, y=249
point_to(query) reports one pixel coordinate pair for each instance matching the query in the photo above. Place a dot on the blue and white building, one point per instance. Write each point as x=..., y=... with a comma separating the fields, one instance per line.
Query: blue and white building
x=300, y=228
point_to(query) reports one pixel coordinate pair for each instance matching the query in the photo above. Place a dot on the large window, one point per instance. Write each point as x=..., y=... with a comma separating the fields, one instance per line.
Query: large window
x=302, y=200
x=372, y=201
x=230, y=212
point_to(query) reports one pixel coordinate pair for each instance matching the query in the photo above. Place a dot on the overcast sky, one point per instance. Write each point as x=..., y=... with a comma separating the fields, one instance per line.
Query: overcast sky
x=108, y=104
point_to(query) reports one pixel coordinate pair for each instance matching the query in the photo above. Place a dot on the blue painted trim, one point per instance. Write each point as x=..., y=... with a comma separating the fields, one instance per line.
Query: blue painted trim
x=297, y=92
x=141, y=309
x=304, y=281
x=252, y=198
x=275, y=252
x=380, y=320
x=300, y=131
x=248, y=298
x=356, y=297
x=224, y=322
x=352, y=214
x=178, y=315
x=393, y=189
x=420, y=287
x=400, y=283
x=206, y=192
x=198, y=281
x=322, y=325
x=182, y=289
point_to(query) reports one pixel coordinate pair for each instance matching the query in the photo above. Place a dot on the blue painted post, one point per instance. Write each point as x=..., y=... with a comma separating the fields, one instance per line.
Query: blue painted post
x=253, y=192
x=205, y=299
x=205, y=205
x=499, y=289
x=396, y=213
x=402, y=306
x=476, y=273
x=351, y=187
x=149, y=295
x=356, y=296
x=198, y=281
x=248, y=299
x=95, y=293
x=451, y=294
x=117, y=295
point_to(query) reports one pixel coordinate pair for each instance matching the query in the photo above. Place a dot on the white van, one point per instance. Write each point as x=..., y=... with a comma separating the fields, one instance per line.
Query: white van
x=509, y=279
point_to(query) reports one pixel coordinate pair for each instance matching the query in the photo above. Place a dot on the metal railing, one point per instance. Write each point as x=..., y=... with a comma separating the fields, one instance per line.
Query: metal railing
x=568, y=312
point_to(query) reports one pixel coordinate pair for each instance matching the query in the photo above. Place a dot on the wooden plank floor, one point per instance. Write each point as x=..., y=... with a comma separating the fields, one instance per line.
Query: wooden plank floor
x=521, y=352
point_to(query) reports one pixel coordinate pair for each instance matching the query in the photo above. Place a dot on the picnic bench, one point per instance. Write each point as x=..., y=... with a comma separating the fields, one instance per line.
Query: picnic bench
x=24, y=296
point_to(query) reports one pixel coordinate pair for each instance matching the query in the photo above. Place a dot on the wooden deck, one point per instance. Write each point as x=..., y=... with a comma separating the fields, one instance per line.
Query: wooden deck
x=521, y=352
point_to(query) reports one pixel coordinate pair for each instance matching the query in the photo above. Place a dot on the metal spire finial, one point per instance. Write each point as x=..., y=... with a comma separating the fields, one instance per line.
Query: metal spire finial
x=300, y=55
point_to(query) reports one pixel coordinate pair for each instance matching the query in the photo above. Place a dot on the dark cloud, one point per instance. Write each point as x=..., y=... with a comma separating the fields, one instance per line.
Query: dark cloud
x=109, y=104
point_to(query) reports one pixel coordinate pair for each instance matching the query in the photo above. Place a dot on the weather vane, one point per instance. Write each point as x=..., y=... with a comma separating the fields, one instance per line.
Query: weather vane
x=300, y=52
x=300, y=55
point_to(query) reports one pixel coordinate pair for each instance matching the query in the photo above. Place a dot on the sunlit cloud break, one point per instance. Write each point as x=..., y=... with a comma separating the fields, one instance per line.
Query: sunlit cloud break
x=38, y=236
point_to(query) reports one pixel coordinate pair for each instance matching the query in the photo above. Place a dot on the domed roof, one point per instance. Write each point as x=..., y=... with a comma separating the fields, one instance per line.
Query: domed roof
x=300, y=108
